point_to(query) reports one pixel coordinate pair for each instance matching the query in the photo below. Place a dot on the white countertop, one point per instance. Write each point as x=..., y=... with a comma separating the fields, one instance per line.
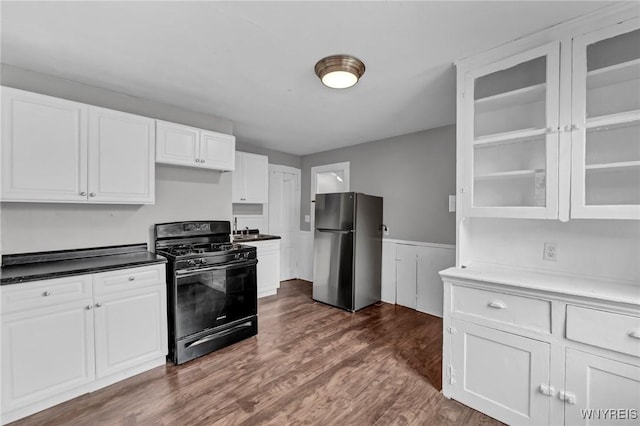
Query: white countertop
x=566, y=284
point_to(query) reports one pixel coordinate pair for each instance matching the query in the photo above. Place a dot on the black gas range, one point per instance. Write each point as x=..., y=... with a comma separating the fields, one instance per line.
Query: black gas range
x=211, y=287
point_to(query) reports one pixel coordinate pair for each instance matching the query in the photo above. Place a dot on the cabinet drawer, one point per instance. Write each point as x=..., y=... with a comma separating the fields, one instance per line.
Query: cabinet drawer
x=37, y=294
x=128, y=279
x=617, y=332
x=263, y=246
x=504, y=308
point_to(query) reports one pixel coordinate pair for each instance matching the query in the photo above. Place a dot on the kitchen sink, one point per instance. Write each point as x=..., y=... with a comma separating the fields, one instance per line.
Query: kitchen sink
x=248, y=237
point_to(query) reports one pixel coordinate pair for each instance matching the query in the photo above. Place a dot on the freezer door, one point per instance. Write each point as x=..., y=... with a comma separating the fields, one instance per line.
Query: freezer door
x=333, y=268
x=335, y=211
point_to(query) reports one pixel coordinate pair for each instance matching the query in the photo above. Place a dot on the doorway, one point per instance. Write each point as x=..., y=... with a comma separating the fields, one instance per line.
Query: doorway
x=284, y=215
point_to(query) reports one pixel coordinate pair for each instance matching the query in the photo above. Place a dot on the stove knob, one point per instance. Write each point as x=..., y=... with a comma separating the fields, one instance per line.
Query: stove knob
x=191, y=262
x=203, y=261
x=237, y=256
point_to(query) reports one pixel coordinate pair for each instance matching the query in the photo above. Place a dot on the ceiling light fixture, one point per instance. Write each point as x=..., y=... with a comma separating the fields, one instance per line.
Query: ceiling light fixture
x=339, y=71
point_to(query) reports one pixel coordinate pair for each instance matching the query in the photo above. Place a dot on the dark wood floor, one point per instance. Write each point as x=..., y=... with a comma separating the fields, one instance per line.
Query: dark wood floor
x=310, y=364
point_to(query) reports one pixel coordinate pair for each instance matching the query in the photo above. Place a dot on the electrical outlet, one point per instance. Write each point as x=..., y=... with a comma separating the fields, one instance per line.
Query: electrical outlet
x=550, y=252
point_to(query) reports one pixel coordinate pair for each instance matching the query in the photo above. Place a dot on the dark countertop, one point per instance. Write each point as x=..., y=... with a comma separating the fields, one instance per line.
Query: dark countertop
x=19, y=268
x=253, y=235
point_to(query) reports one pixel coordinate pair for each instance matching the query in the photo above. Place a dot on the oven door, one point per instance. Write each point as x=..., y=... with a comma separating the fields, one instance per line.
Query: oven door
x=214, y=296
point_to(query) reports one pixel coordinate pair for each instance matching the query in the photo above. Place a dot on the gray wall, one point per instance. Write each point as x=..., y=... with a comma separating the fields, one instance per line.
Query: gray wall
x=181, y=193
x=275, y=157
x=414, y=173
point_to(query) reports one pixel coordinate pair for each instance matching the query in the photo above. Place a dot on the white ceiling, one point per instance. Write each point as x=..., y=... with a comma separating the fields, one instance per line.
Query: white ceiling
x=252, y=62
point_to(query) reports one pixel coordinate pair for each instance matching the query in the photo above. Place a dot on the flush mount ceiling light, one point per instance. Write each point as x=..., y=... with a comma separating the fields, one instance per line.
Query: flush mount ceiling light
x=339, y=71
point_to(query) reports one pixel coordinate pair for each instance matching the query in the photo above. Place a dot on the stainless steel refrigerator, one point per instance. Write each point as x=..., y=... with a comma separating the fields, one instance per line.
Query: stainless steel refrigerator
x=347, y=250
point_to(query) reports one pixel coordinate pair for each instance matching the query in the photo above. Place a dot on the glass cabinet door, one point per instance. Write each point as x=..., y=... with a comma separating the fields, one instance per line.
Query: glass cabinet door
x=512, y=148
x=605, y=130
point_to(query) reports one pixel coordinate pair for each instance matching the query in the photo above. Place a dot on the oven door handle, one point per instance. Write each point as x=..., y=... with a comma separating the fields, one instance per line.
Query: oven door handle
x=218, y=334
x=230, y=265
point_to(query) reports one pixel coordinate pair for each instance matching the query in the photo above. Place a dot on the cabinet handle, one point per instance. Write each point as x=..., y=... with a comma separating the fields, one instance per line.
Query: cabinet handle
x=575, y=127
x=547, y=390
x=131, y=278
x=46, y=293
x=89, y=307
x=567, y=397
x=497, y=304
x=197, y=160
x=202, y=161
x=98, y=304
x=634, y=333
x=461, y=190
x=84, y=194
x=93, y=194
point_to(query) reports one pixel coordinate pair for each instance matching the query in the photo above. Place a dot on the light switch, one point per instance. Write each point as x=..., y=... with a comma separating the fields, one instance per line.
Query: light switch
x=452, y=203
x=307, y=218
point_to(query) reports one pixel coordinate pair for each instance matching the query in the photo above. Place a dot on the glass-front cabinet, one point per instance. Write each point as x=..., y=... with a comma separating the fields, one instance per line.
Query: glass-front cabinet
x=606, y=123
x=513, y=149
x=554, y=132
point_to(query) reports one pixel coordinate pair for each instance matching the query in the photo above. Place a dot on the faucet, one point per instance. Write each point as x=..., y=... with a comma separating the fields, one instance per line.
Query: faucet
x=235, y=224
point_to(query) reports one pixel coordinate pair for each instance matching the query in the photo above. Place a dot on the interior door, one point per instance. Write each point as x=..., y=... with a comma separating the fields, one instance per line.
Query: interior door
x=284, y=215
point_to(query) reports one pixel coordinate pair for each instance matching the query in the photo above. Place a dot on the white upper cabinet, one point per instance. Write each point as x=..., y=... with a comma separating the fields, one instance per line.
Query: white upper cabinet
x=188, y=146
x=512, y=154
x=250, y=183
x=554, y=131
x=217, y=150
x=606, y=123
x=121, y=157
x=44, y=148
x=54, y=150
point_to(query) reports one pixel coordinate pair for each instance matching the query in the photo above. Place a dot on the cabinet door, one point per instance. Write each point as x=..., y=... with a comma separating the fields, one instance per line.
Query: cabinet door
x=406, y=275
x=256, y=173
x=595, y=385
x=177, y=144
x=606, y=123
x=217, y=151
x=121, y=157
x=238, y=185
x=511, y=111
x=268, y=269
x=131, y=329
x=46, y=353
x=500, y=374
x=44, y=148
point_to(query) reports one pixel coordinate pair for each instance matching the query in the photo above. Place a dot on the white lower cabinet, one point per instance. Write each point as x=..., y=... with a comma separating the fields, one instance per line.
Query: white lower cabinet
x=129, y=330
x=500, y=373
x=47, y=354
x=524, y=354
x=412, y=273
x=65, y=337
x=600, y=389
x=268, y=268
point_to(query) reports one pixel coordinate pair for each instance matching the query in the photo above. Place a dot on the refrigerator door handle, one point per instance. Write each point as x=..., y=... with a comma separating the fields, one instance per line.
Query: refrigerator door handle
x=337, y=231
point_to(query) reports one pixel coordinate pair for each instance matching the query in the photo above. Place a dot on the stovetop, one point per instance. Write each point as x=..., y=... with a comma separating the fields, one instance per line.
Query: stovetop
x=199, y=244
x=181, y=250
